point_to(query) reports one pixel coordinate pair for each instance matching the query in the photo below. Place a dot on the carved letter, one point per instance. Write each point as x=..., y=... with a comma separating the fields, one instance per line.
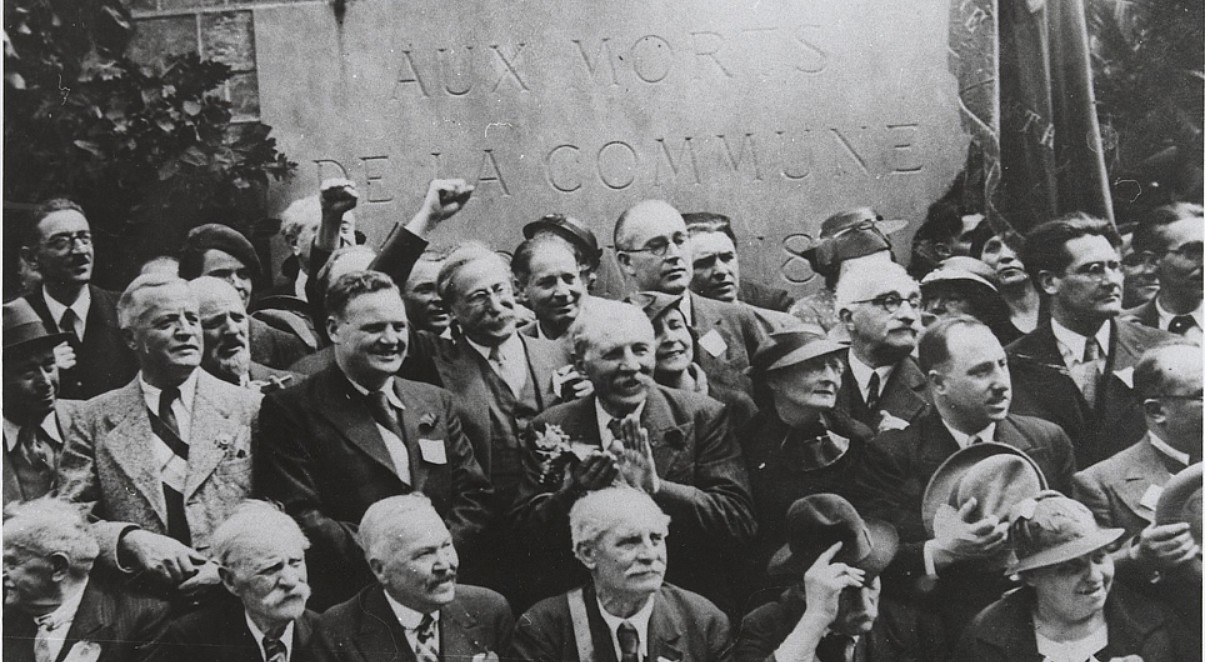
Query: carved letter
x=849, y=148
x=817, y=58
x=735, y=161
x=688, y=149
x=436, y=166
x=618, y=183
x=563, y=187
x=903, y=149
x=488, y=158
x=604, y=53
x=323, y=167
x=372, y=180
x=803, y=172
x=646, y=52
x=449, y=75
x=413, y=77
x=510, y=67
x=704, y=51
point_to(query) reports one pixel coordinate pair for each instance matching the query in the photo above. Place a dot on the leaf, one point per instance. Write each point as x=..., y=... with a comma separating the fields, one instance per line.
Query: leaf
x=193, y=156
x=90, y=147
x=14, y=80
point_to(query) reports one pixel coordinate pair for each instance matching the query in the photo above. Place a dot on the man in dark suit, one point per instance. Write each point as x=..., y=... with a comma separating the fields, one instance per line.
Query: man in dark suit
x=227, y=351
x=625, y=611
x=879, y=306
x=163, y=460
x=55, y=606
x=35, y=420
x=60, y=245
x=1172, y=238
x=415, y=611
x=653, y=250
x=1074, y=369
x=717, y=266
x=969, y=380
x=261, y=555
x=674, y=445
x=353, y=434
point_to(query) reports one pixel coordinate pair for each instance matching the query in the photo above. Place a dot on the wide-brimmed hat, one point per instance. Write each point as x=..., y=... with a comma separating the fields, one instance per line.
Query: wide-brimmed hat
x=571, y=230
x=995, y=475
x=24, y=330
x=849, y=234
x=1181, y=502
x=655, y=304
x=962, y=269
x=817, y=522
x=788, y=348
x=1051, y=528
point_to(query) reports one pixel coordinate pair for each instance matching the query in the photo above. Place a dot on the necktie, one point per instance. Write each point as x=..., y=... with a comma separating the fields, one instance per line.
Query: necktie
x=629, y=642
x=1090, y=376
x=872, y=392
x=616, y=428
x=835, y=648
x=426, y=647
x=274, y=650
x=32, y=442
x=41, y=644
x=386, y=416
x=175, y=473
x=1181, y=323
x=67, y=326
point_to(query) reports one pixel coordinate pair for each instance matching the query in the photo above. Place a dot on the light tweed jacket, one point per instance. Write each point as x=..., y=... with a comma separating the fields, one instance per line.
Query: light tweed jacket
x=109, y=463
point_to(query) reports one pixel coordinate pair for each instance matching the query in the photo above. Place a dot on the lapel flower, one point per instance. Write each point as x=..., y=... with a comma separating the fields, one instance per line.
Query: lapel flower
x=551, y=446
x=224, y=441
x=427, y=422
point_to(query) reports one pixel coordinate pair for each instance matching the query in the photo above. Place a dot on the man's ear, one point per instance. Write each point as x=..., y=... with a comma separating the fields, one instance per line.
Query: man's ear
x=846, y=316
x=130, y=340
x=60, y=566
x=586, y=554
x=1048, y=283
x=1153, y=409
x=625, y=262
x=30, y=256
x=378, y=569
x=937, y=381
x=332, y=328
x=227, y=578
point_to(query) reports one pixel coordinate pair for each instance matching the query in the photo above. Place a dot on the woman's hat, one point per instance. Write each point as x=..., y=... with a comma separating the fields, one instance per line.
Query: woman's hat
x=655, y=304
x=24, y=330
x=996, y=475
x=849, y=234
x=962, y=269
x=1051, y=528
x=817, y=522
x=788, y=348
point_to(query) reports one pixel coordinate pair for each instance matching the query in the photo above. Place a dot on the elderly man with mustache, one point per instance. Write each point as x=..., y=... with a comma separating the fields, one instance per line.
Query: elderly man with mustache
x=225, y=327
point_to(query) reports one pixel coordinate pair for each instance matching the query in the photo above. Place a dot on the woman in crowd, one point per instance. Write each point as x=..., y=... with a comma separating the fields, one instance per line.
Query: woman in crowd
x=1000, y=253
x=1069, y=609
x=965, y=286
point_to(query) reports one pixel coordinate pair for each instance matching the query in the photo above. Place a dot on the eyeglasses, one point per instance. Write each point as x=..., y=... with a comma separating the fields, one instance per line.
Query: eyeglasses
x=1141, y=259
x=63, y=242
x=1190, y=251
x=891, y=302
x=659, y=246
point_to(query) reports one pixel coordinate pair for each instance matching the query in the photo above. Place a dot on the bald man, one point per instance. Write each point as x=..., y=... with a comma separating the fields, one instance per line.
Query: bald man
x=227, y=347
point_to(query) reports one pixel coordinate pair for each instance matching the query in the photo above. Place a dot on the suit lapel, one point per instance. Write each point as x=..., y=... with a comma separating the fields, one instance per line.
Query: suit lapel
x=129, y=443
x=92, y=620
x=344, y=407
x=1146, y=470
x=459, y=639
x=381, y=637
x=903, y=391
x=212, y=435
x=936, y=443
x=665, y=630
x=541, y=364
x=410, y=424
x=667, y=438
x=461, y=374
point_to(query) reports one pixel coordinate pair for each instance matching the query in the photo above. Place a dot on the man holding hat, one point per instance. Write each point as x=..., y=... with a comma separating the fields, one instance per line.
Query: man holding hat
x=34, y=418
x=833, y=613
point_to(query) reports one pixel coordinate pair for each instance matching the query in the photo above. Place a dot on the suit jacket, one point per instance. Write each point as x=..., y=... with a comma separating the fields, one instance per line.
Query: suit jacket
x=1145, y=314
x=765, y=296
x=109, y=463
x=123, y=624
x=64, y=411
x=1043, y=387
x=683, y=627
x=273, y=347
x=320, y=454
x=704, y=489
x=905, y=396
x=416, y=367
x=218, y=633
x=742, y=334
x=364, y=629
x=104, y=361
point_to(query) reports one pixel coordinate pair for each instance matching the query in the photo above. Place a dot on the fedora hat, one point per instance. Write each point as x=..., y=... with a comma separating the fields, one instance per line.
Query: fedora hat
x=1181, y=502
x=995, y=475
x=655, y=304
x=23, y=329
x=570, y=229
x=788, y=348
x=816, y=522
x=1051, y=528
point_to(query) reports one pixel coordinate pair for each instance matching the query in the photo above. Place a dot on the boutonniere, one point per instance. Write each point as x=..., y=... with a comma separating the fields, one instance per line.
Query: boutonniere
x=84, y=651
x=674, y=438
x=426, y=422
x=889, y=422
x=554, y=449
x=224, y=442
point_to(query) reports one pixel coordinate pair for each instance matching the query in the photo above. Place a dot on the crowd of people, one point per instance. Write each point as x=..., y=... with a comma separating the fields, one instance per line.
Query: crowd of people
x=417, y=452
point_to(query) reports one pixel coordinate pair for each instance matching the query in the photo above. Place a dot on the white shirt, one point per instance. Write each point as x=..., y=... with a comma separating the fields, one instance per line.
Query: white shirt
x=687, y=309
x=639, y=620
x=963, y=439
x=410, y=621
x=396, y=447
x=50, y=425
x=61, y=619
x=1079, y=650
x=299, y=285
x=181, y=407
x=1071, y=344
x=514, y=361
x=1162, y=446
x=1165, y=318
x=81, y=306
x=604, y=422
x=286, y=638
x=862, y=373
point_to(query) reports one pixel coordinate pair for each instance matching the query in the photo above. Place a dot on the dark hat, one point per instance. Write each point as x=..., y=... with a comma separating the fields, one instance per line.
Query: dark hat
x=996, y=475
x=817, y=522
x=788, y=348
x=1181, y=502
x=215, y=236
x=849, y=234
x=23, y=329
x=1051, y=528
x=571, y=230
x=655, y=304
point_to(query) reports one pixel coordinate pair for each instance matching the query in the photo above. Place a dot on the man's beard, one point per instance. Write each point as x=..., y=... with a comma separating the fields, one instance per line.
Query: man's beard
x=232, y=368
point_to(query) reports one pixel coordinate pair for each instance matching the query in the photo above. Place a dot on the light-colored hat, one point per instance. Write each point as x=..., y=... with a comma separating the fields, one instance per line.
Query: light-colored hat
x=1051, y=528
x=995, y=475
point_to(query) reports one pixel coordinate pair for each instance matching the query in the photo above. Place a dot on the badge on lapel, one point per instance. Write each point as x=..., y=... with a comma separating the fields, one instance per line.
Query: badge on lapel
x=433, y=451
x=713, y=343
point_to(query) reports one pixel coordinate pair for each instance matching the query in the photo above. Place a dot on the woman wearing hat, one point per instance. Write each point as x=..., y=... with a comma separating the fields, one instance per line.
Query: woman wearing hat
x=965, y=286
x=1069, y=609
x=798, y=444
x=676, y=350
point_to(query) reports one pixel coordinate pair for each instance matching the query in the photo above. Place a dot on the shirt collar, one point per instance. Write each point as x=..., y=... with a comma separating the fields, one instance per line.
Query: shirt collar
x=508, y=348
x=686, y=306
x=50, y=425
x=81, y=306
x=963, y=439
x=1165, y=317
x=390, y=393
x=862, y=373
x=604, y=420
x=299, y=284
x=1164, y=448
x=409, y=618
x=1071, y=344
x=188, y=392
x=65, y=614
x=639, y=620
x=286, y=637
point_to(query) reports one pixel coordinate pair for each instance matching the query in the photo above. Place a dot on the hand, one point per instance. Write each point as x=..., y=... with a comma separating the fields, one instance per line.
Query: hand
x=982, y=539
x=163, y=557
x=64, y=356
x=338, y=196
x=207, y=575
x=595, y=472
x=636, y=457
x=1164, y=545
x=823, y=583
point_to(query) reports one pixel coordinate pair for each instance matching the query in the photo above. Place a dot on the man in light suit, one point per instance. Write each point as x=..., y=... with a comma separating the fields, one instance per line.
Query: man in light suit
x=674, y=445
x=330, y=447
x=163, y=460
x=625, y=611
x=35, y=420
x=415, y=611
x=653, y=250
x=55, y=606
x=1075, y=368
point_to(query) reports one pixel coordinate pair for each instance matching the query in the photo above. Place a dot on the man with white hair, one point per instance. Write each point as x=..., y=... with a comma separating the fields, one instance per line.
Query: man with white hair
x=415, y=610
x=674, y=445
x=625, y=611
x=54, y=608
x=879, y=305
x=163, y=460
x=260, y=552
x=227, y=347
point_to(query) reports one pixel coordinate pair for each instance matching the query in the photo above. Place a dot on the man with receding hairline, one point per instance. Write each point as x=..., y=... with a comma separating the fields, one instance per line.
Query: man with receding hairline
x=227, y=346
